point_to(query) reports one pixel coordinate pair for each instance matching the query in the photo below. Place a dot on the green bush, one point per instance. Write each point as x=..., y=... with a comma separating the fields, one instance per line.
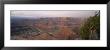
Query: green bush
x=91, y=23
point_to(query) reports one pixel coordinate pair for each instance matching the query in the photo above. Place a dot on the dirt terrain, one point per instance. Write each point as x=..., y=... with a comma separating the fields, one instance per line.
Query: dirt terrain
x=46, y=29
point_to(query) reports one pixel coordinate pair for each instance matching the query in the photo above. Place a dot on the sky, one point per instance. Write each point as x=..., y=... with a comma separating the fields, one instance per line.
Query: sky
x=63, y=13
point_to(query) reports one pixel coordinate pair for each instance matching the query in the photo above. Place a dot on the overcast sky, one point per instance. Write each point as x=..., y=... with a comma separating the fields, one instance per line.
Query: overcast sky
x=35, y=14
